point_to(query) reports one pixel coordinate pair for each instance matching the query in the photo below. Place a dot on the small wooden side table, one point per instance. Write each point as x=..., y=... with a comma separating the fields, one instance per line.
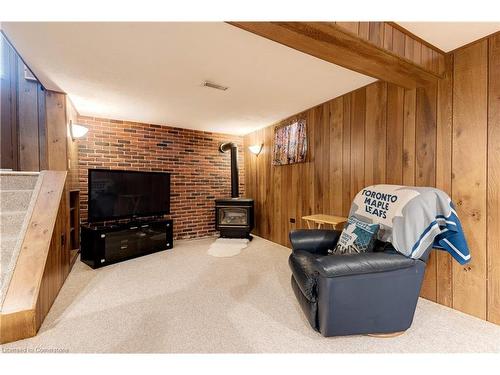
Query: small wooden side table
x=337, y=222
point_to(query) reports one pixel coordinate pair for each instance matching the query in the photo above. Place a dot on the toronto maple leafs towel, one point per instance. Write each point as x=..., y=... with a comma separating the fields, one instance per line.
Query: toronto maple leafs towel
x=413, y=219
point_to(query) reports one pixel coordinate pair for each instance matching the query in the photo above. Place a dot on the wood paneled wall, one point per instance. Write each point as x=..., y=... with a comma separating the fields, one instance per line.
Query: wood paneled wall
x=469, y=176
x=365, y=137
x=22, y=120
x=377, y=134
x=35, y=133
x=447, y=135
x=493, y=191
x=34, y=121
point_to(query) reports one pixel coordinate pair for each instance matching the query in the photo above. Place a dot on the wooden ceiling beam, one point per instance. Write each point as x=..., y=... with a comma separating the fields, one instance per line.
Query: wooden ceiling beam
x=332, y=43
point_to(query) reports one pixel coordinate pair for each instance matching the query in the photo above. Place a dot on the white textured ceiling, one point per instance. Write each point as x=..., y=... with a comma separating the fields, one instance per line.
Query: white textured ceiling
x=448, y=36
x=152, y=72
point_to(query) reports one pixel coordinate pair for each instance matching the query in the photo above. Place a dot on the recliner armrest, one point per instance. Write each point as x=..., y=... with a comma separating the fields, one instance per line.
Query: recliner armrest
x=359, y=264
x=316, y=241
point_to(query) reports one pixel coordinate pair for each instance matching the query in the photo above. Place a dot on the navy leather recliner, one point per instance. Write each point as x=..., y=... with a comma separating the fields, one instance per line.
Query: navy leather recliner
x=367, y=293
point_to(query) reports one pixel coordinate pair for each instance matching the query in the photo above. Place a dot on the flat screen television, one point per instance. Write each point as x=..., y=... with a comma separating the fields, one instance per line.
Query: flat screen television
x=115, y=194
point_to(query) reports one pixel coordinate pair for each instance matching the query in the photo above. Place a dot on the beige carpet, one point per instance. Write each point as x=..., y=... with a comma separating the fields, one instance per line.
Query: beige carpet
x=185, y=300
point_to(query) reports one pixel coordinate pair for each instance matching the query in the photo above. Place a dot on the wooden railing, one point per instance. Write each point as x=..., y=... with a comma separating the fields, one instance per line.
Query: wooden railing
x=41, y=266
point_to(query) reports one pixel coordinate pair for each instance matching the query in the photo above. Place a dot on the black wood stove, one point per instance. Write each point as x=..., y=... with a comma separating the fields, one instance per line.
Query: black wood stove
x=234, y=217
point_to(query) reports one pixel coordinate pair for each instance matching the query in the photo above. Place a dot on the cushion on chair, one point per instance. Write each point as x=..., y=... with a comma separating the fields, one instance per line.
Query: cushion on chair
x=304, y=273
x=357, y=237
x=358, y=264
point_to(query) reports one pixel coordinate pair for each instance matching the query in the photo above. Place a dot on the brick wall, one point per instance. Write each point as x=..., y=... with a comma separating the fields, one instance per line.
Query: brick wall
x=199, y=172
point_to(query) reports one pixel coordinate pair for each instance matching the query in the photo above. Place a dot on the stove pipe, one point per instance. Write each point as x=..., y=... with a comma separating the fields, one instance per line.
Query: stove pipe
x=230, y=146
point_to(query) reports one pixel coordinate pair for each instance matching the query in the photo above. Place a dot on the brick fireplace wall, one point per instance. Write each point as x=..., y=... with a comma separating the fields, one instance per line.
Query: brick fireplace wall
x=199, y=172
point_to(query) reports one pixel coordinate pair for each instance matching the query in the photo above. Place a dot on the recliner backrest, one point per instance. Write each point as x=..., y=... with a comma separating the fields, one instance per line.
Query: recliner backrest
x=381, y=246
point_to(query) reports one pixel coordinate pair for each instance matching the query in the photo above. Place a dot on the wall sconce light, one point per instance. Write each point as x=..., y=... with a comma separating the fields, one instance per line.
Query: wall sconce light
x=77, y=131
x=256, y=149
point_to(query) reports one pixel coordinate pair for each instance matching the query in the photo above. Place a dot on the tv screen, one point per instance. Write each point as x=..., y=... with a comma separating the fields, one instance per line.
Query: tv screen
x=117, y=194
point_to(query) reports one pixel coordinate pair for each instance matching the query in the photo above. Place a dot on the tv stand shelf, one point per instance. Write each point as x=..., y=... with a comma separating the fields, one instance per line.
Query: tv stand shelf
x=103, y=245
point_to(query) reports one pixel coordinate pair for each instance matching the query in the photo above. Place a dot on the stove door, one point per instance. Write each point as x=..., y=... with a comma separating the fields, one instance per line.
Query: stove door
x=228, y=216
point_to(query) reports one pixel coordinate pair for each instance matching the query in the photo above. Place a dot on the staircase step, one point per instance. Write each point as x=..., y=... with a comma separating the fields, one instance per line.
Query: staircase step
x=7, y=242
x=16, y=181
x=11, y=222
x=7, y=245
x=14, y=200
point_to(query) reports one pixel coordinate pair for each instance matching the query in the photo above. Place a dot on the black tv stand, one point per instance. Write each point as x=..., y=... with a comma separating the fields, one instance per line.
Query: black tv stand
x=115, y=242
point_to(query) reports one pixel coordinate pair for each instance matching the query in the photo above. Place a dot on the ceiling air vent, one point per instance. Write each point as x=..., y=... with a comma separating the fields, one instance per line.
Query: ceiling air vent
x=214, y=86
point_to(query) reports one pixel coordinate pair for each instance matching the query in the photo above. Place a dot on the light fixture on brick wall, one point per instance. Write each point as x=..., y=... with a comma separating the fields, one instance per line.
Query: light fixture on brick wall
x=256, y=149
x=77, y=131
